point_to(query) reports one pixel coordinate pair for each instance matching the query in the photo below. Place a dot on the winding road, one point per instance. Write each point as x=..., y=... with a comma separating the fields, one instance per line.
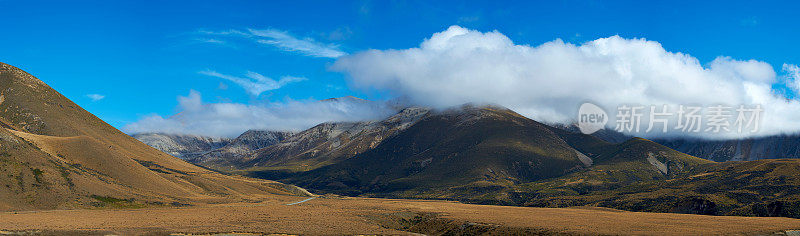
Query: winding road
x=294, y=203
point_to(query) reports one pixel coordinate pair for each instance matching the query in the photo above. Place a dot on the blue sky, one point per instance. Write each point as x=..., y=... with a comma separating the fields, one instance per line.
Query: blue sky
x=141, y=55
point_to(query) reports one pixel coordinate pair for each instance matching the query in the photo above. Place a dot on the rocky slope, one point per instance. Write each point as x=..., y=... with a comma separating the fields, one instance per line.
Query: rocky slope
x=181, y=145
x=244, y=145
x=608, y=135
x=54, y=154
x=320, y=145
x=748, y=149
x=771, y=147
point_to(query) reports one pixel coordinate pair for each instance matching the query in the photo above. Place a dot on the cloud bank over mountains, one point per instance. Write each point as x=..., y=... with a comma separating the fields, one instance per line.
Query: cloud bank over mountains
x=233, y=119
x=548, y=82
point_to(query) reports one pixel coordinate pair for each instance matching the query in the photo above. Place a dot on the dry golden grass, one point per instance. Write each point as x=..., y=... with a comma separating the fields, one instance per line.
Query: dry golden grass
x=358, y=216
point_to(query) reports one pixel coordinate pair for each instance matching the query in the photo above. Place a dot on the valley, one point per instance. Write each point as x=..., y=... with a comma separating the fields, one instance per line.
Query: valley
x=400, y=117
x=419, y=171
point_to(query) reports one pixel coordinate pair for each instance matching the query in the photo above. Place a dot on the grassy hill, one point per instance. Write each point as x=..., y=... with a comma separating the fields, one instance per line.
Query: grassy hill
x=627, y=178
x=54, y=154
x=753, y=188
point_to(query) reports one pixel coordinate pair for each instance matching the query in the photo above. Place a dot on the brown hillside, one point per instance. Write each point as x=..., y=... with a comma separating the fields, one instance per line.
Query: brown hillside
x=54, y=154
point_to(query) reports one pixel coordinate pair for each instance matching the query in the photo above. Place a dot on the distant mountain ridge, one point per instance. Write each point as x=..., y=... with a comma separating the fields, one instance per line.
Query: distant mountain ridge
x=182, y=146
x=749, y=149
x=320, y=145
x=345, y=99
x=744, y=149
x=492, y=155
x=219, y=152
x=608, y=135
x=242, y=146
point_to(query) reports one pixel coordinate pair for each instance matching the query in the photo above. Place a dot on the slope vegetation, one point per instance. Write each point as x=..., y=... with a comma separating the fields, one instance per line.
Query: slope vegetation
x=753, y=188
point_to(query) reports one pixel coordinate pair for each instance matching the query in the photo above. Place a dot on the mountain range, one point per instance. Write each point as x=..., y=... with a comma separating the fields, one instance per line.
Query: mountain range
x=742, y=149
x=492, y=155
x=181, y=145
x=746, y=149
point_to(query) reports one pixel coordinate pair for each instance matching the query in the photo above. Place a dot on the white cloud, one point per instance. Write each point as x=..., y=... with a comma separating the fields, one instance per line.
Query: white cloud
x=95, y=97
x=285, y=41
x=548, y=82
x=468, y=19
x=288, y=42
x=752, y=70
x=255, y=83
x=232, y=119
x=211, y=41
x=224, y=33
x=792, y=76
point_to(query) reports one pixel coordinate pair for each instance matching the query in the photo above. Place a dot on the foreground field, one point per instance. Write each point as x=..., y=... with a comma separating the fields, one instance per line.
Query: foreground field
x=380, y=216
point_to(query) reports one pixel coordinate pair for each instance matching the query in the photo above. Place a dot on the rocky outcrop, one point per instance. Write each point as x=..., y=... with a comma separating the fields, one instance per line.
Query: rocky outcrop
x=320, y=145
x=182, y=146
x=244, y=145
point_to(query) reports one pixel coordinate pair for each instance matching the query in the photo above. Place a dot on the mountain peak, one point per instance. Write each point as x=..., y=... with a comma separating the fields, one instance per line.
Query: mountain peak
x=345, y=99
x=20, y=76
x=476, y=109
